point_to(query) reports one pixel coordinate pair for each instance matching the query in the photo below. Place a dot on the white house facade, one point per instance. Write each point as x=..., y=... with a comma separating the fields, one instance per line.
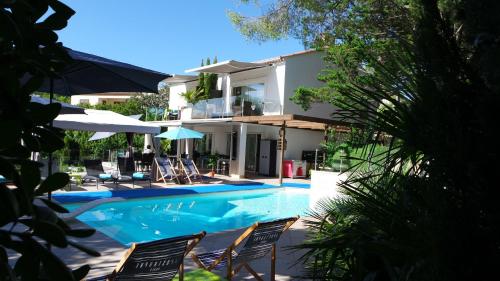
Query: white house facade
x=103, y=98
x=257, y=92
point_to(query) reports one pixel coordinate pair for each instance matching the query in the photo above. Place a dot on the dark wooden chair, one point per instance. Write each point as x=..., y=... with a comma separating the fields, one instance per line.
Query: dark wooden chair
x=128, y=173
x=147, y=161
x=261, y=240
x=156, y=260
x=95, y=172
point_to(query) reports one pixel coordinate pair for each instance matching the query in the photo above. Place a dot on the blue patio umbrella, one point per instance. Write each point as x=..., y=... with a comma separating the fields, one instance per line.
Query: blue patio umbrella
x=180, y=133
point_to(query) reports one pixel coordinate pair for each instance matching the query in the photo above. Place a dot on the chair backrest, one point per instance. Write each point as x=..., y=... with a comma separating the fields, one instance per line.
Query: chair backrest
x=137, y=156
x=157, y=260
x=126, y=165
x=93, y=167
x=260, y=242
x=189, y=166
x=147, y=158
x=165, y=167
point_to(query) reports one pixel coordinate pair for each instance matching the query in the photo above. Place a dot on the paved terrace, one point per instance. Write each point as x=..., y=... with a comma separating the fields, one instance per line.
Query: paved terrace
x=112, y=251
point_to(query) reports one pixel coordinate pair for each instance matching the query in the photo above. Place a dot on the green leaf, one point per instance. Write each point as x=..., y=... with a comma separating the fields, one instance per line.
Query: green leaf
x=80, y=232
x=9, y=207
x=54, y=206
x=84, y=249
x=28, y=266
x=30, y=176
x=50, y=140
x=11, y=132
x=52, y=183
x=52, y=265
x=81, y=272
x=44, y=213
x=42, y=114
x=51, y=233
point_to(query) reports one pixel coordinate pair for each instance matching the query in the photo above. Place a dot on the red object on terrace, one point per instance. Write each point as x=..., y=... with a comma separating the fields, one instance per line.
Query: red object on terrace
x=288, y=168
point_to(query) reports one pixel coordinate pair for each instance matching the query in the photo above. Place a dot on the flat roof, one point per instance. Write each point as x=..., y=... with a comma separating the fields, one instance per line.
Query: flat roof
x=294, y=121
x=192, y=122
x=228, y=66
x=179, y=78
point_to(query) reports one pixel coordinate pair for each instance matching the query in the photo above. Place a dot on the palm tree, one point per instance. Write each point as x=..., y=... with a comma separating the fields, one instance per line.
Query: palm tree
x=427, y=208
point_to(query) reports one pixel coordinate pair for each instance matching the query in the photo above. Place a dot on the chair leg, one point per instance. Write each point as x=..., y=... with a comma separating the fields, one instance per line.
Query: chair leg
x=181, y=272
x=230, y=265
x=273, y=262
x=255, y=274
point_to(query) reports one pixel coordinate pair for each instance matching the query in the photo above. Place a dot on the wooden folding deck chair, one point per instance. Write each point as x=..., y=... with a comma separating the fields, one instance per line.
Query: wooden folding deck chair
x=156, y=260
x=261, y=239
x=190, y=170
x=165, y=170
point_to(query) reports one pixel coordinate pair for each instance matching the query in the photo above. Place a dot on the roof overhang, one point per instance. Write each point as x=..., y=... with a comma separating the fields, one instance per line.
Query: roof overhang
x=294, y=121
x=192, y=122
x=176, y=78
x=228, y=66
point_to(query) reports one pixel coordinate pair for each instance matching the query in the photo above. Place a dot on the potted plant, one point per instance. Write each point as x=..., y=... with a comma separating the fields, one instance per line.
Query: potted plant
x=212, y=164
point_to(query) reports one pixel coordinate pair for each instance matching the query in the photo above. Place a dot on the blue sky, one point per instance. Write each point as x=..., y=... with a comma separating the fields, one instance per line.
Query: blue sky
x=165, y=35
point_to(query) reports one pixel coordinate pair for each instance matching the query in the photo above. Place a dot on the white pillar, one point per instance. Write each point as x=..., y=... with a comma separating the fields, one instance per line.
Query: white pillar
x=227, y=92
x=242, y=146
x=148, y=140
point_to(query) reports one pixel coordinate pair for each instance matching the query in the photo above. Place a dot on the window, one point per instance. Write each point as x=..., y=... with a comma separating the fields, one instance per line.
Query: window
x=84, y=101
x=204, y=145
x=248, y=99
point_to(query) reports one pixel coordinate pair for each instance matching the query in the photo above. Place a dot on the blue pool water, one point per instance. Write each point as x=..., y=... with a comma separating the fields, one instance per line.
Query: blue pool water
x=147, y=219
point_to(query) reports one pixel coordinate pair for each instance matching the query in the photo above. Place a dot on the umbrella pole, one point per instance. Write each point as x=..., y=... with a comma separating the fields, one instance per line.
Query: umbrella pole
x=49, y=161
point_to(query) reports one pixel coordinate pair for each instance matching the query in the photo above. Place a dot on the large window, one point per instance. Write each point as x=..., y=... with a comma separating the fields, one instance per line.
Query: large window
x=248, y=99
x=203, y=146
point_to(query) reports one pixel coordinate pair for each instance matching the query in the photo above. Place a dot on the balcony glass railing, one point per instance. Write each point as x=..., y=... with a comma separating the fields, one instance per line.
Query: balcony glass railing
x=236, y=106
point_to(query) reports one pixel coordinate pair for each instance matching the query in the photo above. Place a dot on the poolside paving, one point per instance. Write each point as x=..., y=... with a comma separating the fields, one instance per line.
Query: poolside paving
x=112, y=251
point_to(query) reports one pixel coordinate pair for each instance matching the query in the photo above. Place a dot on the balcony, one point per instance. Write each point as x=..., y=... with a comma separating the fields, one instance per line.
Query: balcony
x=243, y=105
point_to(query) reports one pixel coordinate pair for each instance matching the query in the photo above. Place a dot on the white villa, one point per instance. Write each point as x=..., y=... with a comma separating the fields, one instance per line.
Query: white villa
x=248, y=110
x=102, y=98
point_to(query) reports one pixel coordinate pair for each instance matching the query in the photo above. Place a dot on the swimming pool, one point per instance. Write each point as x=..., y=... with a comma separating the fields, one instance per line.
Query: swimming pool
x=147, y=219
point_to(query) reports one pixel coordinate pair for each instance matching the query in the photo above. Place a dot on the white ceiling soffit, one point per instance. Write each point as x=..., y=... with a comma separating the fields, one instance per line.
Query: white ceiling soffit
x=228, y=66
x=104, y=121
x=176, y=78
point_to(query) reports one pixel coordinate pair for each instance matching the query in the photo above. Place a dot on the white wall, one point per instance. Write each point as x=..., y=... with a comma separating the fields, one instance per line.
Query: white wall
x=98, y=99
x=303, y=70
x=176, y=101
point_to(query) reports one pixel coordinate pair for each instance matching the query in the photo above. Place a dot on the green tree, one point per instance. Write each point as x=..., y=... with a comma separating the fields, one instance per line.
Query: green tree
x=426, y=208
x=29, y=226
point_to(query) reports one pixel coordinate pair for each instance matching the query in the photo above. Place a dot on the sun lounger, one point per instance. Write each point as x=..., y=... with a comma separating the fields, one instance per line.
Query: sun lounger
x=87, y=206
x=156, y=260
x=261, y=240
x=165, y=170
x=127, y=171
x=190, y=170
x=95, y=172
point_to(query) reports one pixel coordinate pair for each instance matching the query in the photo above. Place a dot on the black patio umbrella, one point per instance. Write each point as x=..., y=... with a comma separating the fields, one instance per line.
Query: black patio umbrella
x=89, y=73
x=66, y=108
